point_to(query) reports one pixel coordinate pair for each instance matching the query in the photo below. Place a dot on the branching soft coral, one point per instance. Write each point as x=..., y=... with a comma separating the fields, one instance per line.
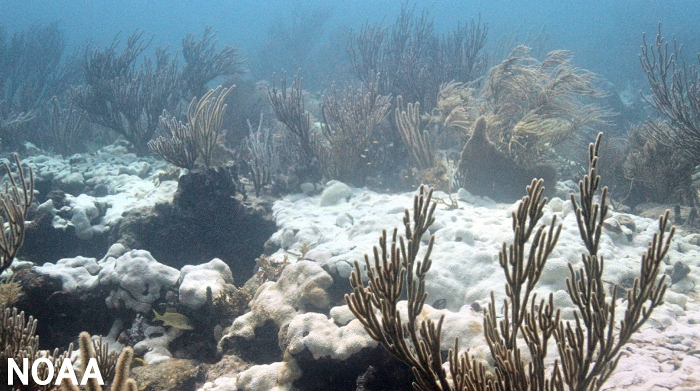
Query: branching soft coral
x=15, y=199
x=530, y=105
x=350, y=119
x=662, y=171
x=535, y=105
x=18, y=340
x=121, y=367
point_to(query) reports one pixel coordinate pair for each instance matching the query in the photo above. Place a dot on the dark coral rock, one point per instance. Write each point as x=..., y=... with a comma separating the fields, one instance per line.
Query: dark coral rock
x=679, y=272
x=486, y=171
x=206, y=190
x=228, y=366
x=263, y=349
x=44, y=243
x=101, y=190
x=58, y=197
x=369, y=369
x=206, y=220
x=60, y=313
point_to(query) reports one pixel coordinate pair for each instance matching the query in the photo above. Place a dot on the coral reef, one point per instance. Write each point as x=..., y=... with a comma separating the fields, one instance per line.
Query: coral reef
x=209, y=220
x=126, y=277
x=125, y=283
x=589, y=348
x=174, y=374
x=300, y=288
x=206, y=219
x=83, y=200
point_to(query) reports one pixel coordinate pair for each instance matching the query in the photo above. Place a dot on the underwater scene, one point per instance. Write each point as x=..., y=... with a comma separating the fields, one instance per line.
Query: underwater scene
x=349, y=195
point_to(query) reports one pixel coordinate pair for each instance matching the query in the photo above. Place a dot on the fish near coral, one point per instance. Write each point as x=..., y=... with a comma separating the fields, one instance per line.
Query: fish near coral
x=173, y=319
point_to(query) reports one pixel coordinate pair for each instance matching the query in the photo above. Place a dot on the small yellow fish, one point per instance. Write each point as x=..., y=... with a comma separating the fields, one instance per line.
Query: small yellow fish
x=174, y=319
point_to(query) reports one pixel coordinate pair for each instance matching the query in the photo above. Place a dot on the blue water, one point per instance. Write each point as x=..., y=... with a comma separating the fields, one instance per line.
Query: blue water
x=604, y=36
